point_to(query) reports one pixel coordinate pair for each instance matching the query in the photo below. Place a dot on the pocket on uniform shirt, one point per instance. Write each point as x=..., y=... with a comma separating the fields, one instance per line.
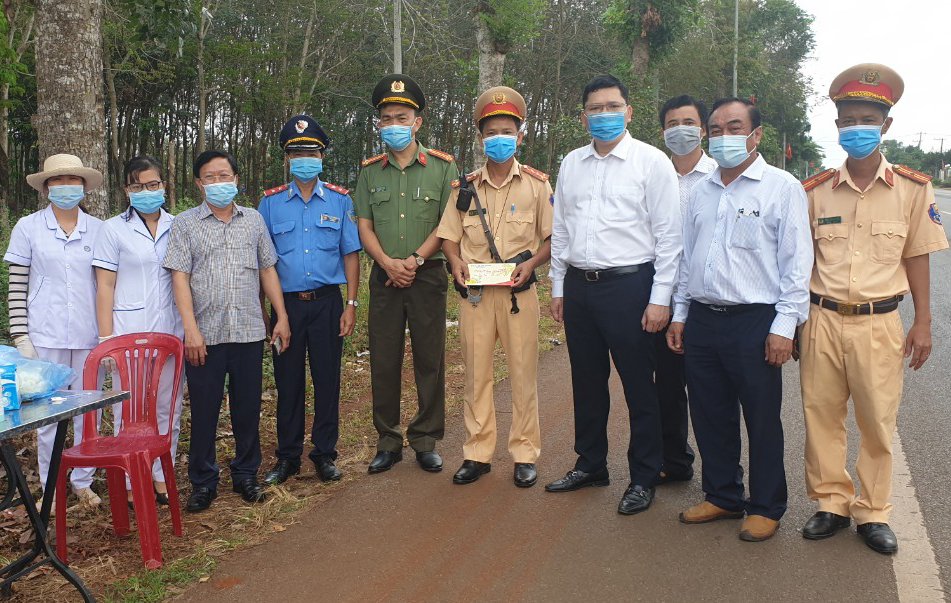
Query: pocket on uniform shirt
x=520, y=229
x=832, y=242
x=472, y=227
x=284, y=236
x=328, y=233
x=888, y=241
x=427, y=207
x=747, y=232
x=34, y=291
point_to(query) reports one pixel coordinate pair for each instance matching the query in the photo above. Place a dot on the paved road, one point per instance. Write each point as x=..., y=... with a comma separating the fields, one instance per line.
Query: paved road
x=411, y=536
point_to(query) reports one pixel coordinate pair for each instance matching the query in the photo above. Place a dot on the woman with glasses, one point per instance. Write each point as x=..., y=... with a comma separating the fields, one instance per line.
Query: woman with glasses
x=52, y=293
x=134, y=290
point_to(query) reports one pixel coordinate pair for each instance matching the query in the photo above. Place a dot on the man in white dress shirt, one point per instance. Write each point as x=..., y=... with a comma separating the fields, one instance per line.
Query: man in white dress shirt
x=684, y=121
x=616, y=243
x=744, y=281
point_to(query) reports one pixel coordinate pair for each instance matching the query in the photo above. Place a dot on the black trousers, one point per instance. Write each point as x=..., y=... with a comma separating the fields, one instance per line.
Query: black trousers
x=726, y=369
x=603, y=322
x=672, y=397
x=422, y=307
x=241, y=362
x=315, y=330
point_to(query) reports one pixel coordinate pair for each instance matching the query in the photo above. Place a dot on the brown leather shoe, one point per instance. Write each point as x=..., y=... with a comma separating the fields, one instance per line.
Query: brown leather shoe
x=756, y=528
x=707, y=511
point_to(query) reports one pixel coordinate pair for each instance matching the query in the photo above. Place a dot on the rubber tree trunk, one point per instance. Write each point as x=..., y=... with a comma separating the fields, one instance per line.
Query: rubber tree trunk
x=491, y=67
x=70, y=115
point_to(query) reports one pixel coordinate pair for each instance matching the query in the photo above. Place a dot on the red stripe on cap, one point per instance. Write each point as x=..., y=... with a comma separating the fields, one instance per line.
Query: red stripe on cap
x=859, y=90
x=500, y=109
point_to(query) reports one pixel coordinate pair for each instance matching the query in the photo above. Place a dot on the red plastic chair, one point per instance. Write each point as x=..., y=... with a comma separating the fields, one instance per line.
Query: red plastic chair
x=140, y=358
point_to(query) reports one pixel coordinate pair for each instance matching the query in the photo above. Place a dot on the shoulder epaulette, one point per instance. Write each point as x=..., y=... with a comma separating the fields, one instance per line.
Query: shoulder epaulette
x=817, y=179
x=372, y=160
x=469, y=178
x=337, y=189
x=540, y=175
x=276, y=190
x=441, y=155
x=907, y=172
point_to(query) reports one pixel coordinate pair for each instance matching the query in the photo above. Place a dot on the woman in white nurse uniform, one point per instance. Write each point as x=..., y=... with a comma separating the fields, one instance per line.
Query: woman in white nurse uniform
x=135, y=292
x=52, y=294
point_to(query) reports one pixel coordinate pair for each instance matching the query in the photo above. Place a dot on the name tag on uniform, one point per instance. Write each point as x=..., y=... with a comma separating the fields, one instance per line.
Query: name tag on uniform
x=831, y=220
x=329, y=218
x=476, y=212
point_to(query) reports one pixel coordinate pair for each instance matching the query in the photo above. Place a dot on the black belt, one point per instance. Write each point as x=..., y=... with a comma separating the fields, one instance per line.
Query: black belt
x=603, y=274
x=431, y=264
x=882, y=306
x=313, y=293
x=732, y=309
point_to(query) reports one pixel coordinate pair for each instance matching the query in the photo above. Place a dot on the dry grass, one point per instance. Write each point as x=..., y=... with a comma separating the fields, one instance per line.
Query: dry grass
x=111, y=566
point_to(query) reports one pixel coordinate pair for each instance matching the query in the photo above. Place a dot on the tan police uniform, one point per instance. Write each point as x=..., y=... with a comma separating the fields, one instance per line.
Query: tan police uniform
x=519, y=212
x=861, y=239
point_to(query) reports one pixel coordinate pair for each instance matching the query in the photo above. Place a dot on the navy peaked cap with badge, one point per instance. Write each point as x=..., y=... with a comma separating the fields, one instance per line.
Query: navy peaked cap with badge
x=401, y=89
x=303, y=133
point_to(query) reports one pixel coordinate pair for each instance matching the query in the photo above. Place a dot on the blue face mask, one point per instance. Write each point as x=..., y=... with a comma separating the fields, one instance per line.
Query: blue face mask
x=147, y=202
x=606, y=126
x=860, y=141
x=306, y=169
x=729, y=150
x=397, y=137
x=66, y=196
x=500, y=148
x=221, y=194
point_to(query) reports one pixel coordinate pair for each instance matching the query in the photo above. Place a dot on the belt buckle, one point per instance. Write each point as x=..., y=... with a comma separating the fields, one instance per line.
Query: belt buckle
x=847, y=309
x=717, y=308
x=306, y=295
x=596, y=273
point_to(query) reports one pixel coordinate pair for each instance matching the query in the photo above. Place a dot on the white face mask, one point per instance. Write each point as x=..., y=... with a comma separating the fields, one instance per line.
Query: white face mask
x=682, y=140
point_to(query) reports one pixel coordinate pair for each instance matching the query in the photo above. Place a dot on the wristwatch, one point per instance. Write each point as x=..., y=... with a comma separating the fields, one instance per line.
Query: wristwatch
x=420, y=260
x=353, y=302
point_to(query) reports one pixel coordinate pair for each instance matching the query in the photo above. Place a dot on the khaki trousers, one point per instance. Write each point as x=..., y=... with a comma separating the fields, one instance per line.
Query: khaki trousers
x=479, y=328
x=861, y=357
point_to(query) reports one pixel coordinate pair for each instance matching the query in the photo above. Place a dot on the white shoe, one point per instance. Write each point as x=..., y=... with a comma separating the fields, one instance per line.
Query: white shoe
x=87, y=496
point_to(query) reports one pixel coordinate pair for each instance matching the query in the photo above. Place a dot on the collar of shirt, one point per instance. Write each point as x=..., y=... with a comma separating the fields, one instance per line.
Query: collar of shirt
x=295, y=191
x=753, y=171
x=704, y=165
x=52, y=224
x=204, y=210
x=420, y=158
x=515, y=170
x=620, y=150
x=884, y=173
x=164, y=224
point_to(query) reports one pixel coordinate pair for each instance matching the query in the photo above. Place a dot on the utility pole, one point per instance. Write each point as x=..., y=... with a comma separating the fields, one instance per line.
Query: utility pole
x=920, y=134
x=397, y=36
x=736, y=40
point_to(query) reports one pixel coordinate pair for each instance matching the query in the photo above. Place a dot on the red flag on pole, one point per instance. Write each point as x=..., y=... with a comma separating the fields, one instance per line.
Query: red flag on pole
x=788, y=151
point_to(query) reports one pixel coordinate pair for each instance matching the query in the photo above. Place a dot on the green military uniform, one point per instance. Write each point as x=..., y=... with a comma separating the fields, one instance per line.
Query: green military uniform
x=405, y=206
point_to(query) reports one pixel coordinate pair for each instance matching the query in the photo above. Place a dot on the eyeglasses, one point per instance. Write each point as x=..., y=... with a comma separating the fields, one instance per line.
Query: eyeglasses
x=138, y=187
x=213, y=178
x=609, y=108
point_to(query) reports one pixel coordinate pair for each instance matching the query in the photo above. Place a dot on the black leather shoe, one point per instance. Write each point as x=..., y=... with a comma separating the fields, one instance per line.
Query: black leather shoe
x=879, y=537
x=429, y=461
x=327, y=470
x=250, y=490
x=470, y=472
x=635, y=500
x=384, y=461
x=200, y=499
x=824, y=524
x=666, y=477
x=525, y=475
x=575, y=479
x=282, y=470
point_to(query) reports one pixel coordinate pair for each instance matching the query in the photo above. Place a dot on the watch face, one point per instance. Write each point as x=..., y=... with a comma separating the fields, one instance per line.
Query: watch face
x=419, y=260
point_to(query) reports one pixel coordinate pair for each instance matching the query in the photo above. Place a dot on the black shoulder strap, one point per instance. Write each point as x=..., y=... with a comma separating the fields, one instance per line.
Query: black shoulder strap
x=485, y=225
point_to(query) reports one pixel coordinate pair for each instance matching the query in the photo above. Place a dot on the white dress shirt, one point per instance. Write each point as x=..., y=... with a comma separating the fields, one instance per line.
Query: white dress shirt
x=705, y=165
x=748, y=243
x=617, y=210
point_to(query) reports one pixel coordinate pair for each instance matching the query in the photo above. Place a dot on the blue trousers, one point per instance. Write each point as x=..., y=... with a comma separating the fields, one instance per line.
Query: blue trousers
x=724, y=353
x=603, y=322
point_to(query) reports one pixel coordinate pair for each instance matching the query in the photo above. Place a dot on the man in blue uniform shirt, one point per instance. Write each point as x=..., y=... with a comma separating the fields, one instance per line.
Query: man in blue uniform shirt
x=314, y=231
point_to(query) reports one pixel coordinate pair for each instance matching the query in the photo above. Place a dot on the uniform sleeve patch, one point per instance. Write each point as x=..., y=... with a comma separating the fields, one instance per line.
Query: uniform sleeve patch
x=552, y=200
x=352, y=216
x=934, y=214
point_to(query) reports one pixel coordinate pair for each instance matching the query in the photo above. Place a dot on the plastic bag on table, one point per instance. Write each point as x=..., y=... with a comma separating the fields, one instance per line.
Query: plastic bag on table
x=36, y=378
